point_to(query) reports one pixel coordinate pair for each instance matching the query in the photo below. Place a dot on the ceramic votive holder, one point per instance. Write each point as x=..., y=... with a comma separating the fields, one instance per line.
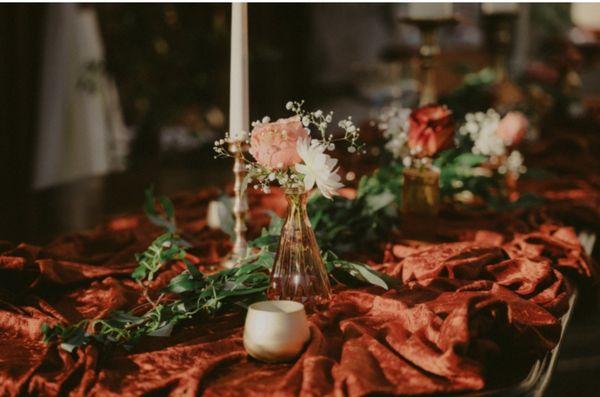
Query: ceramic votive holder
x=276, y=331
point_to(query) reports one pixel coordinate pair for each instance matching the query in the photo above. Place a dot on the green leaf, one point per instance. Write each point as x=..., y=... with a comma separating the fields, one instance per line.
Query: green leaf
x=376, y=202
x=139, y=273
x=194, y=272
x=163, y=331
x=182, y=285
x=166, y=220
x=371, y=276
x=470, y=159
x=267, y=240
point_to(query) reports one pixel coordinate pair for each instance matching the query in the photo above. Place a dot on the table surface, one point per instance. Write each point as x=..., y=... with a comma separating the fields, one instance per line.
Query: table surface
x=578, y=364
x=90, y=201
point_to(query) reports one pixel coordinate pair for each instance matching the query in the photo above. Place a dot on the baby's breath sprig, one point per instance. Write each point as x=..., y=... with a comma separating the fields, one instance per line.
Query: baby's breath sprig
x=233, y=142
x=262, y=177
x=321, y=121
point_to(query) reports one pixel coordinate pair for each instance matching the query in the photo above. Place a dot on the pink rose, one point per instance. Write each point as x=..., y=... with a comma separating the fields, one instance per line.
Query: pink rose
x=512, y=128
x=273, y=145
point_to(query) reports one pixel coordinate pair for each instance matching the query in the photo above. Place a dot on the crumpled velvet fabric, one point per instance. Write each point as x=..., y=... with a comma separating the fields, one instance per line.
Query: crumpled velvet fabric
x=469, y=315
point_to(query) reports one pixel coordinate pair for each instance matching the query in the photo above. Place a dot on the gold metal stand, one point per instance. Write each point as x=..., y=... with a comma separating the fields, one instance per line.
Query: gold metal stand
x=240, y=205
x=428, y=53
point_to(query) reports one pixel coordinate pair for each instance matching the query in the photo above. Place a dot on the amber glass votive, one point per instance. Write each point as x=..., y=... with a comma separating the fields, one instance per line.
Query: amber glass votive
x=420, y=203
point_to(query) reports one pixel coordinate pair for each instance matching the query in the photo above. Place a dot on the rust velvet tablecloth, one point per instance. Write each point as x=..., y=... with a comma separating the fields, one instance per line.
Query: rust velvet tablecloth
x=472, y=313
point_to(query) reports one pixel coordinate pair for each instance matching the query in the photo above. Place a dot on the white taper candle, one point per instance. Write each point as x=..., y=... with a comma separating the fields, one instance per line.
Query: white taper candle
x=238, y=90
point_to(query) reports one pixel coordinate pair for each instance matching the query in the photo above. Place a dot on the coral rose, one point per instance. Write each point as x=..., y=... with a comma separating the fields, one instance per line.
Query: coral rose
x=273, y=145
x=430, y=130
x=512, y=128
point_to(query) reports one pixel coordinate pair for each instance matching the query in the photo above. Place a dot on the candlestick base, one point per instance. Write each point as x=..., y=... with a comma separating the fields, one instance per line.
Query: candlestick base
x=240, y=205
x=429, y=52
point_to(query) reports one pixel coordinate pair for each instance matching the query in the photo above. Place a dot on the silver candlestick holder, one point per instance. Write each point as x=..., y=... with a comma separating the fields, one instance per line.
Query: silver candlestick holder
x=429, y=52
x=240, y=203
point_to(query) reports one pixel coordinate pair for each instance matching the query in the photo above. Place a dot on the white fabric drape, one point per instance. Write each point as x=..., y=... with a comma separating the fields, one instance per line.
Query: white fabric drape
x=81, y=131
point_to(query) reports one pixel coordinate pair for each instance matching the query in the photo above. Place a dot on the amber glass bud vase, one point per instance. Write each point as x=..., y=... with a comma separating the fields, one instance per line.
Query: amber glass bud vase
x=420, y=203
x=298, y=273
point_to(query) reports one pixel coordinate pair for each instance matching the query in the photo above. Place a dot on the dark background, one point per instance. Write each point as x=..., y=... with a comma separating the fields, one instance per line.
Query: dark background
x=170, y=63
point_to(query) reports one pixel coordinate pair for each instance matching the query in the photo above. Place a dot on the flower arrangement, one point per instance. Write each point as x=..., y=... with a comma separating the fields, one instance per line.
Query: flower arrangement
x=416, y=137
x=289, y=153
x=475, y=161
x=293, y=152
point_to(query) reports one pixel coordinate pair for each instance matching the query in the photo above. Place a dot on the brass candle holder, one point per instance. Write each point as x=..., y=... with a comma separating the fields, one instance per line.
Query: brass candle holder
x=240, y=204
x=499, y=27
x=420, y=203
x=428, y=53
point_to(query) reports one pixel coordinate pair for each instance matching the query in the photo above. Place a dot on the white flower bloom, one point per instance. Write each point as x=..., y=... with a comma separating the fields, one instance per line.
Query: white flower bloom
x=393, y=122
x=514, y=163
x=266, y=119
x=318, y=168
x=289, y=105
x=305, y=121
x=481, y=128
x=456, y=183
x=318, y=113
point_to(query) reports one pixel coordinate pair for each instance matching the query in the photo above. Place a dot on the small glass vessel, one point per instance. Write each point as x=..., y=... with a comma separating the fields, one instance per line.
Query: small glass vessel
x=420, y=202
x=509, y=187
x=299, y=273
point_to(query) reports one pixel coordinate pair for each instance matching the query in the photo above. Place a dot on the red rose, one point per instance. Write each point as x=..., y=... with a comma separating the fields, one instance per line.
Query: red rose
x=431, y=129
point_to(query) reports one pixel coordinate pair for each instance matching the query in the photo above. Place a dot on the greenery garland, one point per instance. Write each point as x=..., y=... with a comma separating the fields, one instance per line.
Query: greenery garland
x=193, y=293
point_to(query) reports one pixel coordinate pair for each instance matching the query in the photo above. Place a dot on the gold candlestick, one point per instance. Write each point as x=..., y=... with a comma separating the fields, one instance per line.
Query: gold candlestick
x=428, y=53
x=499, y=37
x=240, y=204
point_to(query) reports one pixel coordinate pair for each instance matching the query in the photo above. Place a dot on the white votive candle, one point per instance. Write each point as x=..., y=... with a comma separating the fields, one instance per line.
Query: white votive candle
x=276, y=331
x=424, y=11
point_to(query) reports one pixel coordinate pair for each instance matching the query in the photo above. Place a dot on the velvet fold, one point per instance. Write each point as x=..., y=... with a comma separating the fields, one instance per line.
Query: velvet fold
x=468, y=315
